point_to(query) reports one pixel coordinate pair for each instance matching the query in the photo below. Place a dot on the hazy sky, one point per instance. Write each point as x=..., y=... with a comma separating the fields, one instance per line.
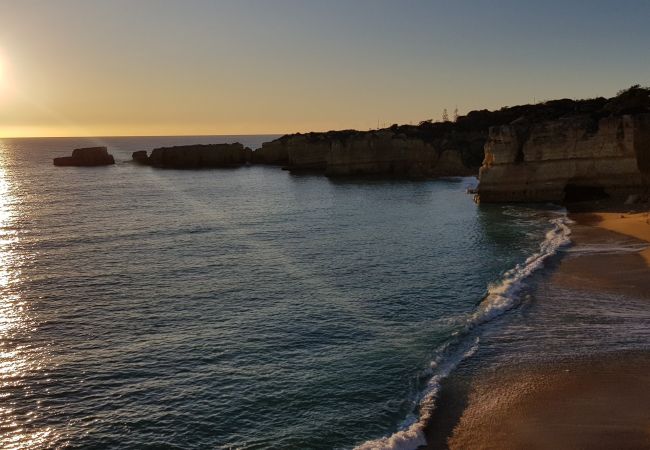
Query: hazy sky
x=160, y=67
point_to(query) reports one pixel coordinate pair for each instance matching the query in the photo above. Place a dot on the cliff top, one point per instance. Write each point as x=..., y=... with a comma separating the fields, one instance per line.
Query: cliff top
x=634, y=100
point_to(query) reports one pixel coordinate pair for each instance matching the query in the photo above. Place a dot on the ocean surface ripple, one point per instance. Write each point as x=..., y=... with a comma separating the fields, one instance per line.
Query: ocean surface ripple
x=243, y=308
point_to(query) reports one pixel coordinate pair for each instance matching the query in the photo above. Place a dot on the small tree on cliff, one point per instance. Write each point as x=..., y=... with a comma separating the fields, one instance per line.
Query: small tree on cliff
x=456, y=115
x=445, y=116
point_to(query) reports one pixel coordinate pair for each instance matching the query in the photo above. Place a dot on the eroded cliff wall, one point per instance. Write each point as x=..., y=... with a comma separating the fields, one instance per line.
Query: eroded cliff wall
x=553, y=160
x=381, y=152
x=196, y=156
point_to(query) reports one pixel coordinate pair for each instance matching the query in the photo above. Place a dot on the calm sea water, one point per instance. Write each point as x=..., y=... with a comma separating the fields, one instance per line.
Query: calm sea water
x=242, y=308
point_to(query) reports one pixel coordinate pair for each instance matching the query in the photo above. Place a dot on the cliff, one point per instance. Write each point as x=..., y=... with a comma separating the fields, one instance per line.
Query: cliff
x=578, y=157
x=552, y=151
x=395, y=152
x=274, y=152
x=196, y=156
x=429, y=149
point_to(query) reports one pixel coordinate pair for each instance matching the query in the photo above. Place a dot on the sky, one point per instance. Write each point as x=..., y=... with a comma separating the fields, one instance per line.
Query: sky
x=139, y=67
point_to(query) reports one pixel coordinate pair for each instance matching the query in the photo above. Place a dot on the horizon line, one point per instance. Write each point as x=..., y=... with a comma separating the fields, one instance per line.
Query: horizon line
x=93, y=136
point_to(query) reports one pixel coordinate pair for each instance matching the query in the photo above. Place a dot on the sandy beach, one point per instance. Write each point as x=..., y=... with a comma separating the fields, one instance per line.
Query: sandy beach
x=594, y=401
x=598, y=403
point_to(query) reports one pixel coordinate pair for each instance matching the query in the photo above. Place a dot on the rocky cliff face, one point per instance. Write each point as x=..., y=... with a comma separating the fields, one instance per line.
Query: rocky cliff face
x=387, y=153
x=426, y=150
x=274, y=152
x=549, y=151
x=577, y=158
x=196, y=156
x=384, y=152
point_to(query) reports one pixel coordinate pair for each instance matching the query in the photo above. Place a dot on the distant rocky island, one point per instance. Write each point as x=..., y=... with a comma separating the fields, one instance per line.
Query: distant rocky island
x=86, y=157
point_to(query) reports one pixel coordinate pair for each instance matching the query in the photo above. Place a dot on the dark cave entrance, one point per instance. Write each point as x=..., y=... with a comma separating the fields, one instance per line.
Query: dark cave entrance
x=582, y=193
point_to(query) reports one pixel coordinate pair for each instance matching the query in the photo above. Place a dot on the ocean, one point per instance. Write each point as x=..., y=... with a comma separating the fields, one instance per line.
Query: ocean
x=245, y=308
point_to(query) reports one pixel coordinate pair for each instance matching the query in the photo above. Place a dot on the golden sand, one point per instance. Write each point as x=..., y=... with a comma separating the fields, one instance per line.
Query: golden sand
x=600, y=404
x=636, y=225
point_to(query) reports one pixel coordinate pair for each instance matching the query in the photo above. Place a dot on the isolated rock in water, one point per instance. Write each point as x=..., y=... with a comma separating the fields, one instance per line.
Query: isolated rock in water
x=90, y=156
x=197, y=156
x=140, y=157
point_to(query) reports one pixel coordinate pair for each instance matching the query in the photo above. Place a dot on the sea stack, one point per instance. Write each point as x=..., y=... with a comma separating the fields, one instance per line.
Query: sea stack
x=140, y=157
x=86, y=157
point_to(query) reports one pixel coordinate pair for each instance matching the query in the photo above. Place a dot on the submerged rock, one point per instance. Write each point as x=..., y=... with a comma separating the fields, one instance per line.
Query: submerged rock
x=90, y=156
x=196, y=156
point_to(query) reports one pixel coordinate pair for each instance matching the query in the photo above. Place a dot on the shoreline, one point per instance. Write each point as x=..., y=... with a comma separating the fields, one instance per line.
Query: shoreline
x=595, y=400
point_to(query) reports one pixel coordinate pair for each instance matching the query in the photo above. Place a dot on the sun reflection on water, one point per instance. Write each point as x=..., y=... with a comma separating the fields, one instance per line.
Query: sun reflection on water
x=19, y=361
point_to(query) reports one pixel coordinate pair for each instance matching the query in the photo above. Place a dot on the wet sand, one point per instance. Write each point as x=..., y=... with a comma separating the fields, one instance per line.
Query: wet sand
x=589, y=402
x=601, y=403
x=626, y=273
x=632, y=224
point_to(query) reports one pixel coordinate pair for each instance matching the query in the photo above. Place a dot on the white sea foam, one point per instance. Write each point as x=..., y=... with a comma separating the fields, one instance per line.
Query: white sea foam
x=412, y=435
x=501, y=297
x=587, y=249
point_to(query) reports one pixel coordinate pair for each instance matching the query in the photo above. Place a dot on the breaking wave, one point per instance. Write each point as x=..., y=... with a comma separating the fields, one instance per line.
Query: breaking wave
x=501, y=297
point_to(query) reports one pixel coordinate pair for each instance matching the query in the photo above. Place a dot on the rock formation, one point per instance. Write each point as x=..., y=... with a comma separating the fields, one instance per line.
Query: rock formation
x=90, y=156
x=429, y=149
x=578, y=157
x=396, y=152
x=140, y=157
x=196, y=156
x=551, y=151
x=274, y=152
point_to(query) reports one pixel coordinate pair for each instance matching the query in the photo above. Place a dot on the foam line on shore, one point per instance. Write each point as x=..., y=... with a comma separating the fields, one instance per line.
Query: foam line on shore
x=500, y=298
x=598, y=249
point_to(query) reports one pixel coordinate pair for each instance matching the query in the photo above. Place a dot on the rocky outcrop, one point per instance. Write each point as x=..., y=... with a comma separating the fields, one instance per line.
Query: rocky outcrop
x=426, y=150
x=549, y=151
x=86, y=157
x=140, y=157
x=576, y=158
x=196, y=156
x=274, y=153
x=389, y=152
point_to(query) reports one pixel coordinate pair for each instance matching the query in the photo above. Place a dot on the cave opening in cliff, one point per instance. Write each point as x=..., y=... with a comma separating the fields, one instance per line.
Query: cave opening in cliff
x=583, y=193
